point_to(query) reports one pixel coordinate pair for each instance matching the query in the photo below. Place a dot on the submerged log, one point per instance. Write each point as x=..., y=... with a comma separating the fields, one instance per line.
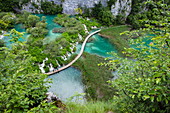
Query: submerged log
x=59, y=30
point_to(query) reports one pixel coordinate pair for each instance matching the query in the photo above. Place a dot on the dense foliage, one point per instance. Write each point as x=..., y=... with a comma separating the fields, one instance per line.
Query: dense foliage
x=22, y=87
x=10, y=5
x=103, y=15
x=113, y=34
x=7, y=20
x=92, y=74
x=51, y=8
x=144, y=80
x=148, y=10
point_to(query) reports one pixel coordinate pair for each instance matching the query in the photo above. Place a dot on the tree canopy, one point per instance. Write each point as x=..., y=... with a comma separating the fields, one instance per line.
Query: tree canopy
x=143, y=81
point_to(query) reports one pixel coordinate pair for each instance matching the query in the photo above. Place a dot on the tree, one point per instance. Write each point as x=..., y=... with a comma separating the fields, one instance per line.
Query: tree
x=151, y=10
x=32, y=20
x=11, y=5
x=22, y=87
x=110, y=3
x=51, y=8
x=41, y=25
x=37, y=32
x=96, y=9
x=23, y=17
x=79, y=11
x=103, y=15
x=106, y=17
x=143, y=81
x=3, y=25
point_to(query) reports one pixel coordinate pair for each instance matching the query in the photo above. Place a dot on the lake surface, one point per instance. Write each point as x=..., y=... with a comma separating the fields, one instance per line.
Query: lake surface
x=66, y=84
x=50, y=26
x=99, y=46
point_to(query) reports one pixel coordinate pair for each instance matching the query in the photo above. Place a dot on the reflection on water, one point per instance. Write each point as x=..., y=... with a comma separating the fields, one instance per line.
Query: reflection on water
x=67, y=83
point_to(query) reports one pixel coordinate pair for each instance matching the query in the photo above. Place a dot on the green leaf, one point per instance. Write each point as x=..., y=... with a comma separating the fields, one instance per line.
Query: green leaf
x=152, y=98
x=158, y=80
x=146, y=97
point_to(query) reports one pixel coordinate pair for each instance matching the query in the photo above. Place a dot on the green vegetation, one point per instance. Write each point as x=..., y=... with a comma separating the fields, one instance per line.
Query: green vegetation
x=51, y=8
x=10, y=5
x=21, y=85
x=72, y=25
x=90, y=107
x=144, y=83
x=152, y=10
x=110, y=3
x=7, y=20
x=103, y=15
x=2, y=43
x=92, y=74
x=113, y=34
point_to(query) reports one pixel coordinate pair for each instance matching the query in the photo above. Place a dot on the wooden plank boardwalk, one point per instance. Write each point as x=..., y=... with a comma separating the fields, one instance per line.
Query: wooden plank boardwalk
x=77, y=57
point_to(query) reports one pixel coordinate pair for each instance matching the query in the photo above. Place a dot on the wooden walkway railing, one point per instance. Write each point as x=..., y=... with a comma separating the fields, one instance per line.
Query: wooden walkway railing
x=77, y=57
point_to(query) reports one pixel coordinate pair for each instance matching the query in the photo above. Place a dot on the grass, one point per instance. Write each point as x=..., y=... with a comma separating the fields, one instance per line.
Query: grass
x=95, y=77
x=89, y=107
x=113, y=34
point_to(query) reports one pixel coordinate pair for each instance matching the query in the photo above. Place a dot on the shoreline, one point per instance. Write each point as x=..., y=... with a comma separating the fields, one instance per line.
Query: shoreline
x=104, y=36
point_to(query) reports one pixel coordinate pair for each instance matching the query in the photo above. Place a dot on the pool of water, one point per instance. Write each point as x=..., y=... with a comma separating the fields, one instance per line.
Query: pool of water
x=99, y=46
x=66, y=84
x=18, y=27
x=50, y=26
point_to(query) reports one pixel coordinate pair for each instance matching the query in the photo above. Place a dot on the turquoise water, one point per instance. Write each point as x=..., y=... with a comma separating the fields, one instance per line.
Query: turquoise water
x=66, y=84
x=50, y=26
x=50, y=37
x=19, y=28
x=99, y=46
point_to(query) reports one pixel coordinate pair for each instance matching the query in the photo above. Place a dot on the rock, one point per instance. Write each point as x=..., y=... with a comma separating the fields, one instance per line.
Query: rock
x=69, y=6
x=110, y=112
x=30, y=8
x=53, y=98
x=59, y=30
x=122, y=7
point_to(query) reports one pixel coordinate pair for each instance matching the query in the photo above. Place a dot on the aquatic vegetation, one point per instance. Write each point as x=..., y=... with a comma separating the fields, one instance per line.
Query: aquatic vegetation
x=92, y=74
x=113, y=35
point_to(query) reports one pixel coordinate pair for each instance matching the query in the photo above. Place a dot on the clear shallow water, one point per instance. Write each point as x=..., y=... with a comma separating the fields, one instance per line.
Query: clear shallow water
x=99, y=46
x=19, y=28
x=50, y=26
x=67, y=83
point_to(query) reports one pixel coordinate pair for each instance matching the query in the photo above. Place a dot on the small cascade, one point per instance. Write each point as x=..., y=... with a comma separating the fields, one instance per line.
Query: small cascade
x=85, y=28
